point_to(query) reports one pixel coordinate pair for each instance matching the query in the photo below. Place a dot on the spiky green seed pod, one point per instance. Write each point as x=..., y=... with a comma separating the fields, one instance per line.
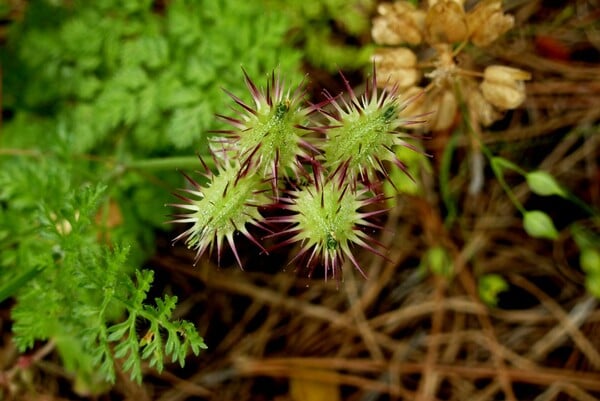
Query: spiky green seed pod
x=270, y=136
x=363, y=132
x=226, y=205
x=329, y=215
x=327, y=220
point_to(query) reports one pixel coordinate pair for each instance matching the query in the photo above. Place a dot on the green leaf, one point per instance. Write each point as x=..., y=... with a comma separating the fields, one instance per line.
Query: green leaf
x=197, y=344
x=184, y=97
x=172, y=342
x=501, y=163
x=12, y=286
x=149, y=51
x=589, y=259
x=402, y=182
x=147, y=102
x=539, y=225
x=592, y=283
x=133, y=361
x=122, y=349
x=151, y=347
x=490, y=285
x=114, y=106
x=584, y=237
x=144, y=281
x=185, y=126
x=123, y=82
x=78, y=37
x=200, y=71
x=544, y=184
x=118, y=331
x=438, y=261
x=88, y=87
x=131, y=77
x=132, y=6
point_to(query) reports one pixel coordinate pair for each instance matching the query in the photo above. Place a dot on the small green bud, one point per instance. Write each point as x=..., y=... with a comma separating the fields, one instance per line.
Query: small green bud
x=490, y=286
x=589, y=260
x=583, y=236
x=539, y=225
x=406, y=182
x=544, y=184
x=592, y=283
x=438, y=261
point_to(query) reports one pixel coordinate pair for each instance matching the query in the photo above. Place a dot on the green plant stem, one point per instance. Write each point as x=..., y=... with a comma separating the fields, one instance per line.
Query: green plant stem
x=20, y=152
x=11, y=287
x=504, y=163
x=445, y=180
x=500, y=163
x=155, y=164
x=494, y=161
x=168, y=163
x=497, y=169
x=584, y=206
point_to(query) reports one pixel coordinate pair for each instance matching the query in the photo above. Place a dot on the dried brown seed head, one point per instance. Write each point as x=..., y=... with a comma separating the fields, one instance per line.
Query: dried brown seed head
x=487, y=22
x=503, y=86
x=444, y=107
x=446, y=22
x=432, y=3
x=396, y=66
x=481, y=110
x=398, y=23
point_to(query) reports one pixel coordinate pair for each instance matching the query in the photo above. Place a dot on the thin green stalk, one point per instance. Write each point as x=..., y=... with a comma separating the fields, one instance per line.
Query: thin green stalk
x=584, y=206
x=498, y=173
x=168, y=163
x=12, y=286
x=446, y=161
x=494, y=161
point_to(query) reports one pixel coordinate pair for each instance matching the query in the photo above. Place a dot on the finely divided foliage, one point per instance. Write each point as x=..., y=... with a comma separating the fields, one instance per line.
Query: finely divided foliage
x=323, y=175
x=73, y=288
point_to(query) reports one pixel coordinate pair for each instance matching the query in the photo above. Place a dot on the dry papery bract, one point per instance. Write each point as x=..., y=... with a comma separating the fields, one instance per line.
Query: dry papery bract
x=438, y=33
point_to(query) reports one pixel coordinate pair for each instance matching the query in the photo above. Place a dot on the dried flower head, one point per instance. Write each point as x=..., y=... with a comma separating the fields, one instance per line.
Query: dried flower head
x=482, y=110
x=446, y=22
x=432, y=3
x=487, y=22
x=503, y=86
x=446, y=29
x=446, y=106
x=397, y=65
x=397, y=23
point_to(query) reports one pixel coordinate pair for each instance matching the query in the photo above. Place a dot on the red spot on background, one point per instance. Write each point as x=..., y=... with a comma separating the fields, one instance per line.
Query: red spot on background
x=552, y=48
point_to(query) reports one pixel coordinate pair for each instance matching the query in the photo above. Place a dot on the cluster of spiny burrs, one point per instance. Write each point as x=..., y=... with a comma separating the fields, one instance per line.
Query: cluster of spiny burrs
x=317, y=165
